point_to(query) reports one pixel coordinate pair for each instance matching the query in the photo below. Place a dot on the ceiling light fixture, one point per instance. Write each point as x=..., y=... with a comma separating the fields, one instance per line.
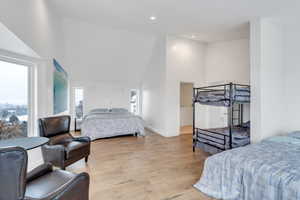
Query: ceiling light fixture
x=152, y=18
x=193, y=36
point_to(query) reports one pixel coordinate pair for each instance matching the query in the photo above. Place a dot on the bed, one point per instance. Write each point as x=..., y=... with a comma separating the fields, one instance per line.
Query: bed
x=215, y=140
x=104, y=123
x=269, y=170
x=221, y=96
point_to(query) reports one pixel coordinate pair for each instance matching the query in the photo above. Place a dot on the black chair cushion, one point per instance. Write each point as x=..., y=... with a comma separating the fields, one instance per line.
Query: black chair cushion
x=47, y=184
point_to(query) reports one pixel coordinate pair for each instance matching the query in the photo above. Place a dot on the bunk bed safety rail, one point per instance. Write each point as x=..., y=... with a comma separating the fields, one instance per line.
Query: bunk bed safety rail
x=202, y=136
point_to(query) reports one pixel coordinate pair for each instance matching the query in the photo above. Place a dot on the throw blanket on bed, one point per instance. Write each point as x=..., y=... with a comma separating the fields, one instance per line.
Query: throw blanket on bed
x=108, y=124
x=269, y=170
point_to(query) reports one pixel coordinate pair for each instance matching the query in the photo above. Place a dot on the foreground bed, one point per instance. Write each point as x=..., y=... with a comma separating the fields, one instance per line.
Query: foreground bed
x=103, y=123
x=269, y=170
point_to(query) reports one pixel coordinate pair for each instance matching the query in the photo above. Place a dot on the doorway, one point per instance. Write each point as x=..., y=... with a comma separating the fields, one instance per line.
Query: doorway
x=186, y=108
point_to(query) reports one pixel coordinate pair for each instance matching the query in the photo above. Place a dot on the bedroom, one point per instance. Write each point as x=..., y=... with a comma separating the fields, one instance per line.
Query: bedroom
x=108, y=54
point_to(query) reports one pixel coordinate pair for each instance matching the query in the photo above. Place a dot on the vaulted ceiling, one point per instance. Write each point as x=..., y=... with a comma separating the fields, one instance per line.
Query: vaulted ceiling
x=206, y=19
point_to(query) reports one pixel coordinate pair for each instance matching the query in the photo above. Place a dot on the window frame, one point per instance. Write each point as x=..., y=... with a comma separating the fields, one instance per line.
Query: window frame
x=32, y=128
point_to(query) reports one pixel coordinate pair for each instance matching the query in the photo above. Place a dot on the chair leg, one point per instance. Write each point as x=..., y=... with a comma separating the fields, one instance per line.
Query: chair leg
x=86, y=159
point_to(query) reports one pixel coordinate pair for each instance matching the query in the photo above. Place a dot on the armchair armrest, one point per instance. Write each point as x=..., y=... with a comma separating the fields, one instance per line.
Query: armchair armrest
x=83, y=139
x=39, y=171
x=54, y=154
x=78, y=187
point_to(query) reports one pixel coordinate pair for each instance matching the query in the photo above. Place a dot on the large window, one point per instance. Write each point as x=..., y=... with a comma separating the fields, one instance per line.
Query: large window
x=134, y=101
x=14, y=100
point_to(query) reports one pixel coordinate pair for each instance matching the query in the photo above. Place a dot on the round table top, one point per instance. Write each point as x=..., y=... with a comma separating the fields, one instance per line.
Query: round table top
x=27, y=143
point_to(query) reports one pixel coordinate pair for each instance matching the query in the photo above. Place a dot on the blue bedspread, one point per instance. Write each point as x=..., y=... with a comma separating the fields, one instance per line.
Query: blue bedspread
x=269, y=170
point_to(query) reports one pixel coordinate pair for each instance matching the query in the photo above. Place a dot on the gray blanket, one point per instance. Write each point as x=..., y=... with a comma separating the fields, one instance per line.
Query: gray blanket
x=109, y=124
x=269, y=170
x=222, y=97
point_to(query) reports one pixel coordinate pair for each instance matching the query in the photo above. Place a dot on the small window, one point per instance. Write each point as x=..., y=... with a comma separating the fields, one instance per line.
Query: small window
x=78, y=93
x=134, y=101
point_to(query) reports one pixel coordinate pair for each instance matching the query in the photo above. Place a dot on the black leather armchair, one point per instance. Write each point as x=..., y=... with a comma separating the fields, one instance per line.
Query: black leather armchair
x=42, y=183
x=63, y=149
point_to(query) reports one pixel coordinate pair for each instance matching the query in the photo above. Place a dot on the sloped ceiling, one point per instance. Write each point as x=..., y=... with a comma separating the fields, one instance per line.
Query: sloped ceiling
x=10, y=42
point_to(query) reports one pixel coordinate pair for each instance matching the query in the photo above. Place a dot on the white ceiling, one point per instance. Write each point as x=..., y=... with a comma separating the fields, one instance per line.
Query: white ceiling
x=208, y=20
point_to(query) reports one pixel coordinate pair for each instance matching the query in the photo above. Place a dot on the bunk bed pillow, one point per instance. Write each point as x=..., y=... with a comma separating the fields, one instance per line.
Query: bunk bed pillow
x=294, y=134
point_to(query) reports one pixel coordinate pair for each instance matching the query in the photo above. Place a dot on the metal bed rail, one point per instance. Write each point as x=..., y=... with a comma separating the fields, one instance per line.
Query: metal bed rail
x=202, y=134
x=225, y=90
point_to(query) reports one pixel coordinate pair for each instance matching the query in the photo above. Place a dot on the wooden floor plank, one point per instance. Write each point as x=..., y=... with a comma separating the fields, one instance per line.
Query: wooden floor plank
x=143, y=168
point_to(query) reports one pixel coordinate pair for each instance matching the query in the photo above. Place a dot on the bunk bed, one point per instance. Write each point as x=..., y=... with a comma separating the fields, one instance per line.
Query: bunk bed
x=237, y=133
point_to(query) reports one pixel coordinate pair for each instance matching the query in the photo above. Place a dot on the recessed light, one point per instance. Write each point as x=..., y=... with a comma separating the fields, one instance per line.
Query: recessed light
x=193, y=36
x=152, y=18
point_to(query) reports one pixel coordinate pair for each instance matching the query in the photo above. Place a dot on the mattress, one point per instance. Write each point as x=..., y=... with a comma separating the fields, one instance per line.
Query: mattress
x=269, y=170
x=222, y=97
x=99, y=124
x=219, y=137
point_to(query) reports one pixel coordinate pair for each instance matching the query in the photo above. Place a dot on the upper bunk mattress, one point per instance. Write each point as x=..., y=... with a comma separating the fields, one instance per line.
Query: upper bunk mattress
x=221, y=97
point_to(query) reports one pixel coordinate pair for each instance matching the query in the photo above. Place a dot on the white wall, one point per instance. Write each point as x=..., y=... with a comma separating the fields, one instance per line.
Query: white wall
x=267, y=79
x=226, y=61
x=290, y=115
x=275, y=76
x=292, y=74
x=153, y=87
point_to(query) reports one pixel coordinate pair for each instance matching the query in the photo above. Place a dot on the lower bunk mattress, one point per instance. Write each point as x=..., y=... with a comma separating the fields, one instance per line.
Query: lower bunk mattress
x=216, y=140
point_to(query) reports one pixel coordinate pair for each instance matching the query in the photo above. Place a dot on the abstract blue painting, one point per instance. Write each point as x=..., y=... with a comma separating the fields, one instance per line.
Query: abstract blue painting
x=60, y=86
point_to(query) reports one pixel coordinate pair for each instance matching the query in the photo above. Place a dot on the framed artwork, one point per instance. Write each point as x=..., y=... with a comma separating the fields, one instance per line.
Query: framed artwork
x=60, y=88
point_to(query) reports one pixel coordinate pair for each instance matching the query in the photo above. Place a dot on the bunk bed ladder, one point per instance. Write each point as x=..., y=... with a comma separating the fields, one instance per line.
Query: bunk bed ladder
x=237, y=114
x=230, y=112
x=194, y=131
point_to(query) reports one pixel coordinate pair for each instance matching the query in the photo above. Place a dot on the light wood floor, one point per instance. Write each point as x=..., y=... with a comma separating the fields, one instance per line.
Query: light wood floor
x=143, y=168
x=186, y=130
